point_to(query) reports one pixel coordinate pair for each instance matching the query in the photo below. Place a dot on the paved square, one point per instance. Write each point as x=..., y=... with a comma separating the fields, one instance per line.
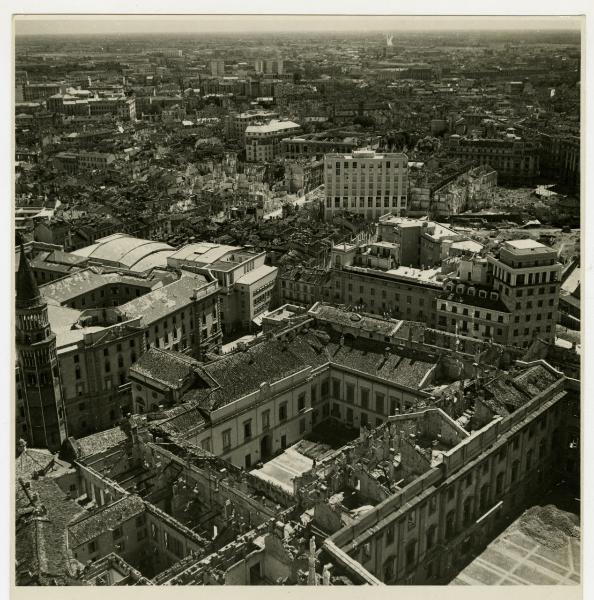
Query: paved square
x=515, y=558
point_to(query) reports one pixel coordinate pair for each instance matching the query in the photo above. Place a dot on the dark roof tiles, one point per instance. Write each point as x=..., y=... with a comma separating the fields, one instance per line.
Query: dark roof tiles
x=100, y=442
x=241, y=373
x=107, y=518
x=166, y=366
x=41, y=549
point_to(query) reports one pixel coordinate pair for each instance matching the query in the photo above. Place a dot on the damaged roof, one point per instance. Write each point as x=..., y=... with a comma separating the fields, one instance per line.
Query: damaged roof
x=42, y=556
x=241, y=373
x=99, y=442
x=106, y=518
x=168, y=367
x=160, y=303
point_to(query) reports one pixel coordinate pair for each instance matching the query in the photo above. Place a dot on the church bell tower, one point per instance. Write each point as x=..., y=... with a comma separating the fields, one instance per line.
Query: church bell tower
x=38, y=364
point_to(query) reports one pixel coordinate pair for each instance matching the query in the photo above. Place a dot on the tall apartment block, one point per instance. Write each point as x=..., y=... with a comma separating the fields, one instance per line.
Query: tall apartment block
x=273, y=66
x=527, y=275
x=217, y=67
x=365, y=182
x=263, y=142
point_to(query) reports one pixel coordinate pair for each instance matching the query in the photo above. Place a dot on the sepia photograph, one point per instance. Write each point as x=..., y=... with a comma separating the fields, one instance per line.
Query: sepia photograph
x=296, y=300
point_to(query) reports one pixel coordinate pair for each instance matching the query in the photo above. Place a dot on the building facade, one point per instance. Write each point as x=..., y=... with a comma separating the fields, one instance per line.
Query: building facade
x=436, y=524
x=515, y=160
x=365, y=183
x=245, y=283
x=527, y=276
x=262, y=142
x=237, y=123
x=102, y=324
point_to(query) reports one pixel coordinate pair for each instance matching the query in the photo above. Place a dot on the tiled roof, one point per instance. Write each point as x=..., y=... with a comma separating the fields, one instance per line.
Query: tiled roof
x=104, y=519
x=41, y=550
x=100, y=442
x=364, y=322
x=507, y=394
x=88, y=280
x=161, y=302
x=166, y=366
x=313, y=276
x=36, y=459
x=241, y=373
x=183, y=420
x=402, y=368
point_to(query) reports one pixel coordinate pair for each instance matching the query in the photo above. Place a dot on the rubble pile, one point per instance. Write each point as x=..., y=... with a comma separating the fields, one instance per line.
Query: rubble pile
x=550, y=526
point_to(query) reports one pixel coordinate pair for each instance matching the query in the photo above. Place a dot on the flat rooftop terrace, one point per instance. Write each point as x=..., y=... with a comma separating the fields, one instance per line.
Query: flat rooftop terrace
x=283, y=469
x=535, y=549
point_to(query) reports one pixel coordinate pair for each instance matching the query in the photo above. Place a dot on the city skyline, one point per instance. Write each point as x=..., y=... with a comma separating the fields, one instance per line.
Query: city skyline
x=172, y=24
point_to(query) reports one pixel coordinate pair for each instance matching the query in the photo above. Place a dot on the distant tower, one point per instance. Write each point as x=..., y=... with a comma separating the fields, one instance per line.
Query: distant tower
x=217, y=67
x=389, y=38
x=311, y=576
x=38, y=362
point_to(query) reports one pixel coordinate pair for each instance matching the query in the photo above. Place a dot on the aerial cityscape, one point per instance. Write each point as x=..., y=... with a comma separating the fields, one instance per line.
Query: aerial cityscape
x=297, y=307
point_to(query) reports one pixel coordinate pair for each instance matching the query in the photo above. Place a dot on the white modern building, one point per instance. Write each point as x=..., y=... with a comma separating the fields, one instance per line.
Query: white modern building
x=365, y=182
x=245, y=282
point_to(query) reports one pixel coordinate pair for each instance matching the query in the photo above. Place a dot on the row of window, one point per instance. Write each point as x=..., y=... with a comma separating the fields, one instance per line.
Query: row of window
x=353, y=203
x=464, y=327
x=247, y=425
x=477, y=313
x=354, y=165
x=82, y=300
x=529, y=304
x=467, y=517
x=395, y=403
x=527, y=331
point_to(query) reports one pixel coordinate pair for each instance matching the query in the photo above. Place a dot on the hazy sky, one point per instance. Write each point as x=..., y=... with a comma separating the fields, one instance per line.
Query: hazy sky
x=284, y=23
